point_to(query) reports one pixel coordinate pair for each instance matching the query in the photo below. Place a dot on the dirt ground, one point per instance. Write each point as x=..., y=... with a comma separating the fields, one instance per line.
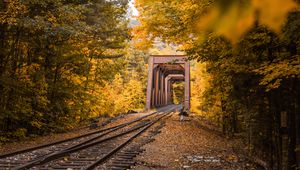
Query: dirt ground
x=189, y=145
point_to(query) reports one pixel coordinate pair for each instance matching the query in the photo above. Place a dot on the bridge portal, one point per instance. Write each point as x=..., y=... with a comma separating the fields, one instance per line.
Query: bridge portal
x=163, y=71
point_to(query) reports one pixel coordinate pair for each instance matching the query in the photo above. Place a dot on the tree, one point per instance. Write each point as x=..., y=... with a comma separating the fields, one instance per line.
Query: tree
x=51, y=59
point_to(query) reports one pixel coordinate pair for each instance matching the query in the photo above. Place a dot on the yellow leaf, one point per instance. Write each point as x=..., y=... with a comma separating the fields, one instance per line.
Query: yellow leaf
x=232, y=157
x=232, y=23
x=235, y=23
x=273, y=13
x=207, y=22
x=86, y=51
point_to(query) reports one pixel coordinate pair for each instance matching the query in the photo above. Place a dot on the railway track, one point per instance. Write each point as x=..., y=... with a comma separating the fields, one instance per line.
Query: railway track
x=82, y=152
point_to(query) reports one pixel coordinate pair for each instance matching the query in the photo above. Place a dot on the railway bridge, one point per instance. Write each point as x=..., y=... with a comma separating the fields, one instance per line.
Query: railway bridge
x=163, y=72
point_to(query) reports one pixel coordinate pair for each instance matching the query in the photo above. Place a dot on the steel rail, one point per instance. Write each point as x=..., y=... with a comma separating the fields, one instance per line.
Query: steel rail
x=73, y=138
x=85, y=144
x=60, y=154
x=108, y=155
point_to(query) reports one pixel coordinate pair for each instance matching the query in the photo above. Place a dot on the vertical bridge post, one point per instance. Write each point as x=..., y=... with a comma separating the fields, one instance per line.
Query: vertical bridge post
x=150, y=83
x=187, y=85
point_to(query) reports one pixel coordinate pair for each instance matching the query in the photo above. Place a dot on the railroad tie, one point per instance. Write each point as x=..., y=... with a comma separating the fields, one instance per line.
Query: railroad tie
x=59, y=168
x=123, y=161
x=121, y=165
x=128, y=154
x=75, y=164
x=82, y=159
x=118, y=168
x=6, y=166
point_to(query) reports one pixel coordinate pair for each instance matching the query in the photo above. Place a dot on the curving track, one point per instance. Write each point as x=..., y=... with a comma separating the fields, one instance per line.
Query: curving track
x=82, y=152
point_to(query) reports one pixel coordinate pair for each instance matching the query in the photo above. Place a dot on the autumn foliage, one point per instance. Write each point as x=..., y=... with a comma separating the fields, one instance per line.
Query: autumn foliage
x=63, y=62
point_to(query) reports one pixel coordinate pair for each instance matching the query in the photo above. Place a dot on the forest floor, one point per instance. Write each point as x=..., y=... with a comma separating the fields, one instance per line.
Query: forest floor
x=192, y=144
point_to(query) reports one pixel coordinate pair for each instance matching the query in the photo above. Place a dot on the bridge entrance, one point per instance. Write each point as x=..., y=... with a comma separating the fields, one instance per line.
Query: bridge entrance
x=163, y=71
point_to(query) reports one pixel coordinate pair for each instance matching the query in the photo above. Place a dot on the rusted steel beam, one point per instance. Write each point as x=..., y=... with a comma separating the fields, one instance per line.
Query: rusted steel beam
x=166, y=90
x=154, y=90
x=162, y=90
x=156, y=87
x=175, y=76
x=150, y=83
x=169, y=59
x=187, y=85
x=159, y=89
x=174, y=72
x=168, y=84
x=169, y=93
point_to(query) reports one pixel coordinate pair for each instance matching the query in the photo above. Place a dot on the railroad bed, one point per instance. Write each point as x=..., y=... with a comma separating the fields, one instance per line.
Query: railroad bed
x=108, y=148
